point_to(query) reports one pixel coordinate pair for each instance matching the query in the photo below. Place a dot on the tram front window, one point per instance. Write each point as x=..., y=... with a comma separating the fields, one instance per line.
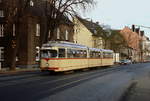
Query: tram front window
x=48, y=53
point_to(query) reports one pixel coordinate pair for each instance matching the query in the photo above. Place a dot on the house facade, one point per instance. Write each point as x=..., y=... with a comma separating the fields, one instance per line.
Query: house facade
x=31, y=29
x=2, y=41
x=85, y=33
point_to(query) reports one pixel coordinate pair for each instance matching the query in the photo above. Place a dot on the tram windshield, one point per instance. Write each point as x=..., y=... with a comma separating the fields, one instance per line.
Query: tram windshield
x=48, y=53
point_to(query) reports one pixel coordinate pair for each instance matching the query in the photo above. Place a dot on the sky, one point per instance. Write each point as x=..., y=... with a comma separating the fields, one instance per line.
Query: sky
x=121, y=13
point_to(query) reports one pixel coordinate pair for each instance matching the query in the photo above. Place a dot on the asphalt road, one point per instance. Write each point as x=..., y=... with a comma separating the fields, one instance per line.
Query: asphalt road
x=92, y=85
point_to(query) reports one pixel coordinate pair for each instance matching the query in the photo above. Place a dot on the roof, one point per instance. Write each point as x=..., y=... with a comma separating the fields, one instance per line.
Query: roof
x=91, y=26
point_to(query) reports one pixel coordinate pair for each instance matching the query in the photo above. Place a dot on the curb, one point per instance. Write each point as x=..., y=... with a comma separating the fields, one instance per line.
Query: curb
x=18, y=71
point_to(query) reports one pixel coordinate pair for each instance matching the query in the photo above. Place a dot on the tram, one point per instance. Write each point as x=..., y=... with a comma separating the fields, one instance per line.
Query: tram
x=64, y=56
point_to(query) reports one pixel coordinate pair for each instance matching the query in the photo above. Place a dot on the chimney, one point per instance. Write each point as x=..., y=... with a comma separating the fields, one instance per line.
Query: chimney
x=147, y=39
x=97, y=23
x=133, y=28
x=142, y=33
x=137, y=30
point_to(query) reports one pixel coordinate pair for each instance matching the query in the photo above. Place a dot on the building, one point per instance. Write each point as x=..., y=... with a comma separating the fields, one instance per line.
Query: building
x=85, y=33
x=31, y=29
x=1, y=33
x=134, y=42
x=145, y=48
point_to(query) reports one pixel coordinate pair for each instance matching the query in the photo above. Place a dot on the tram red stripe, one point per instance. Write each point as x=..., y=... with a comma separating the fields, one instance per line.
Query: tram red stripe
x=53, y=68
x=71, y=58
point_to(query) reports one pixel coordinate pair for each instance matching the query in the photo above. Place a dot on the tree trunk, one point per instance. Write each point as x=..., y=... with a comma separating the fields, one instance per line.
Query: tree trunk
x=15, y=46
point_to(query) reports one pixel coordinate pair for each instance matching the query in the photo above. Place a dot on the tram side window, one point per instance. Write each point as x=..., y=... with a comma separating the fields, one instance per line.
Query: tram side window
x=84, y=54
x=99, y=55
x=61, y=53
x=70, y=53
x=111, y=55
x=76, y=53
x=107, y=55
x=95, y=54
x=92, y=55
x=48, y=53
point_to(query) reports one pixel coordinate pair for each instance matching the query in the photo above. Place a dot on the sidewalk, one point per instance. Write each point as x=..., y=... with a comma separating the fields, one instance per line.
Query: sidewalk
x=18, y=70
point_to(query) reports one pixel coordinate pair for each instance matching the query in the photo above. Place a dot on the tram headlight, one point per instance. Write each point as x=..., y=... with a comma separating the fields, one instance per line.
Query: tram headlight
x=47, y=64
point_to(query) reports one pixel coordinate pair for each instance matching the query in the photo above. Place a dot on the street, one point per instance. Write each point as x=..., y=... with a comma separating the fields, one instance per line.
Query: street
x=109, y=84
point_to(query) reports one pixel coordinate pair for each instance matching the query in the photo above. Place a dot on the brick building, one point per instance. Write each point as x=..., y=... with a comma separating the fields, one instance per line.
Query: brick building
x=2, y=42
x=133, y=39
x=31, y=30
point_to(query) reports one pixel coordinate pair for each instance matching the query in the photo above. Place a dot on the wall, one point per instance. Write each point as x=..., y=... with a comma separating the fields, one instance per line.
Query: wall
x=82, y=35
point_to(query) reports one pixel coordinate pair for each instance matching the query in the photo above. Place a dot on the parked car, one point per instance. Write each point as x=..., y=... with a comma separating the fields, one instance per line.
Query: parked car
x=125, y=62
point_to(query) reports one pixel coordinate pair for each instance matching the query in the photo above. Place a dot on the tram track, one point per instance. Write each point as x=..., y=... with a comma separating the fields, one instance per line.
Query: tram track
x=67, y=83
x=42, y=86
x=31, y=79
x=36, y=88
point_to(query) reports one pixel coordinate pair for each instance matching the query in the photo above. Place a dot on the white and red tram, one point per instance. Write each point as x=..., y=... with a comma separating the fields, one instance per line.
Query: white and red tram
x=65, y=56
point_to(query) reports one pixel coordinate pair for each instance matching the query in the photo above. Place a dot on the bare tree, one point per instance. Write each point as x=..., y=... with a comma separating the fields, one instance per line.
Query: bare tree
x=15, y=10
x=57, y=11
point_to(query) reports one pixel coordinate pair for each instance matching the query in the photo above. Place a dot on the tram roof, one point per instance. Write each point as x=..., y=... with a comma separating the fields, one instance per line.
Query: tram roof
x=103, y=50
x=107, y=50
x=71, y=45
x=64, y=44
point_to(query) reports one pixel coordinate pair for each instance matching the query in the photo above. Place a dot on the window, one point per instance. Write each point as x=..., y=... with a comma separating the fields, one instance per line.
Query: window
x=37, y=53
x=49, y=34
x=48, y=53
x=95, y=54
x=1, y=30
x=1, y=13
x=14, y=29
x=107, y=55
x=31, y=3
x=37, y=29
x=69, y=53
x=58, y=33
x=72, y=53
x=61, y=53
x=66, y=34
x=17, y=59
x=1, y=53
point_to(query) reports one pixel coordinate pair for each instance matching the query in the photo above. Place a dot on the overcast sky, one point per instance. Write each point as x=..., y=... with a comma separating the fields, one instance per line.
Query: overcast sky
x=120, y=13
